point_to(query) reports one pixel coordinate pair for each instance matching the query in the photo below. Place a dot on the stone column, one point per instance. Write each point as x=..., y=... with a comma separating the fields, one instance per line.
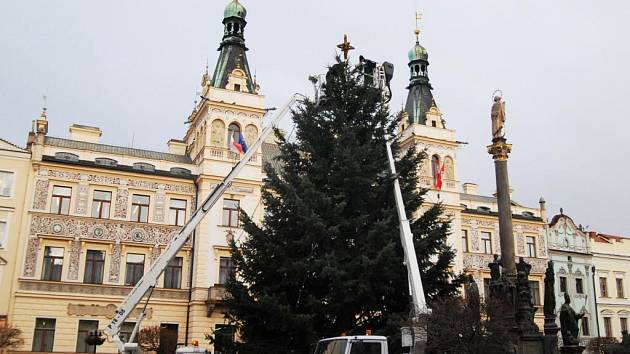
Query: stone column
x=499, y=151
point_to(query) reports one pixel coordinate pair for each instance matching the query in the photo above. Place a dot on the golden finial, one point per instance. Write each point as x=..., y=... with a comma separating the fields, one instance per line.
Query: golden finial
x=417, y=30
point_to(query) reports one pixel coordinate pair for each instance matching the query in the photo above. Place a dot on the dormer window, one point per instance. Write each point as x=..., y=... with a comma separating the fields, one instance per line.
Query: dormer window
x=143, y=166
x=237, y=87
x=67, y=156
x=483, y=209
x=103, y=161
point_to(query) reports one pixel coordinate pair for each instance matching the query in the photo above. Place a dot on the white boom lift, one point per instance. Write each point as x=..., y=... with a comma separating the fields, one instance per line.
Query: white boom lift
x=148, y=281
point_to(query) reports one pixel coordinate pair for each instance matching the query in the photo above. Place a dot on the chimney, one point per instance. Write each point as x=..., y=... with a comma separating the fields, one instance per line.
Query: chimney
x=470, y=188
x=176, y=147
x=543, y=209
x=85, y=133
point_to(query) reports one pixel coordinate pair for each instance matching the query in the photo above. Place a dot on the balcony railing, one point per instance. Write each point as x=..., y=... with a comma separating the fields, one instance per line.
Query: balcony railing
x=216, y=297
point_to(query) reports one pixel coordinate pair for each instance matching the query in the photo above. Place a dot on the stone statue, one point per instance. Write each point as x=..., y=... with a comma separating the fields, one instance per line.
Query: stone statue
x=472, y=293
x=550, y=291
x=569, y=322
x=525, y=309
x=495, y=268
x=498, y=118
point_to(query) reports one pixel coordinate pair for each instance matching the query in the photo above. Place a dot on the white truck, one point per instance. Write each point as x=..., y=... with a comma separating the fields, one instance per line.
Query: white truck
x=352, y=345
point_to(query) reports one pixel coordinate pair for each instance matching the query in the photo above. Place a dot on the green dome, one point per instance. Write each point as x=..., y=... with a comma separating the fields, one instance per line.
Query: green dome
x=418, y=53
x=235, y=9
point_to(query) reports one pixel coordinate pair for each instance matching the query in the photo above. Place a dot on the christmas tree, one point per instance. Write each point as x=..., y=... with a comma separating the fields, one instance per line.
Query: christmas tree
x=327, y=258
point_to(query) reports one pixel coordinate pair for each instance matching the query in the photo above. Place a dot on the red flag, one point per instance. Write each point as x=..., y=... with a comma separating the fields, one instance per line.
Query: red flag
x=438, y=178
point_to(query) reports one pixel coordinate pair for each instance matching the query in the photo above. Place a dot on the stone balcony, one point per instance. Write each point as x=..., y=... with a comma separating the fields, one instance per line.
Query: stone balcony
x=216, y=298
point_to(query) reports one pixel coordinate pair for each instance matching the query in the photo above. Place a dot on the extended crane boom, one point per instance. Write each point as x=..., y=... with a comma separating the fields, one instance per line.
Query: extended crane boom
x=149, y=279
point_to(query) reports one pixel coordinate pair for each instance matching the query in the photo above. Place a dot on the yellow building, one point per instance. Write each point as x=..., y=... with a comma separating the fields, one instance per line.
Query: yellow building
x=14, y=168
x=96, y=216
x=611, y=259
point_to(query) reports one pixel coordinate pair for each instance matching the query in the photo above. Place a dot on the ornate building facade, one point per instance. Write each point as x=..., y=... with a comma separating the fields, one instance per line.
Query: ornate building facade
x=96, y=216
x=571, y=253
x=475, y=222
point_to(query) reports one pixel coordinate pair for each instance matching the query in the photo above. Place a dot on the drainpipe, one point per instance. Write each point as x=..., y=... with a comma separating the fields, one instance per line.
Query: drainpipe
x=190, y=274
x=595, y=299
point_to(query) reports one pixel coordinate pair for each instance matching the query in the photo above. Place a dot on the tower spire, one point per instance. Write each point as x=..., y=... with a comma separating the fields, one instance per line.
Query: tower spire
x=233, y=47
x=420, y=98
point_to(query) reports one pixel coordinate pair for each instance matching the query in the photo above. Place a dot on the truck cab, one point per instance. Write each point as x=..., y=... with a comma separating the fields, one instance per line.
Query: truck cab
x=352, y=345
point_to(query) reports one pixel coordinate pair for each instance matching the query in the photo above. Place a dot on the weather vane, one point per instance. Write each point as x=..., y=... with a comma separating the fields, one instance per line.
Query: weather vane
x=417, y=30
x=345, y=47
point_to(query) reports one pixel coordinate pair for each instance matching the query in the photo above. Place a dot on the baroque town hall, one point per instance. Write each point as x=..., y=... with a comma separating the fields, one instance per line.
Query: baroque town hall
x=85, y=220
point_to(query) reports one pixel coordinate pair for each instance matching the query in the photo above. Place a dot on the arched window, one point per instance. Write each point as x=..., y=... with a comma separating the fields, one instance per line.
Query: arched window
x=435, y=167
x=233, y=131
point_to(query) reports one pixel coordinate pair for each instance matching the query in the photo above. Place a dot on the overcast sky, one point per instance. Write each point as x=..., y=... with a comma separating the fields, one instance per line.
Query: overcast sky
x=133, y=68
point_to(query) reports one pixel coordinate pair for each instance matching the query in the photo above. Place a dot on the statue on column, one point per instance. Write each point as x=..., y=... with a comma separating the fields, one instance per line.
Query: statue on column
x=569, y=322
x=498, y=118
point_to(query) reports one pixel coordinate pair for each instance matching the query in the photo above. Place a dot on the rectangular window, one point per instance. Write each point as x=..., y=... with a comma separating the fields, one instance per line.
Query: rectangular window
x=620, y=288
x=530, y=246
x=135, y=268
x=623, y=322
x=608, y=327
x=3, y=233
x=60, y=203
x=101, y=204
x=230, y=212
x=535, y=290
x=6, y=183
x=53, y=263
x=140, y=208
x=44, y=335
x=603, y=287
x=563, y=284
x=85, y=327
x=224, y=337
x=225, y=269
x=486, y=242
x=177, y=212
x=465, y=241
x=585, y=329
x=94, y=265
x=579, y=287
x=173, y=274
x=125, y=332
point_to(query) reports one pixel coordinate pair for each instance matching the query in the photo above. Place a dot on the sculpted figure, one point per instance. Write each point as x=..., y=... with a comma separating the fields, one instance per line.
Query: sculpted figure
x=569, y=322
x=218, y=133
x=495, y=270
x=550, y=291
x=498, y=118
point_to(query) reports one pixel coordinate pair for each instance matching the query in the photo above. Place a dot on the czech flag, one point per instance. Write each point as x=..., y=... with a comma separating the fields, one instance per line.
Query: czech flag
x=239, y=145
